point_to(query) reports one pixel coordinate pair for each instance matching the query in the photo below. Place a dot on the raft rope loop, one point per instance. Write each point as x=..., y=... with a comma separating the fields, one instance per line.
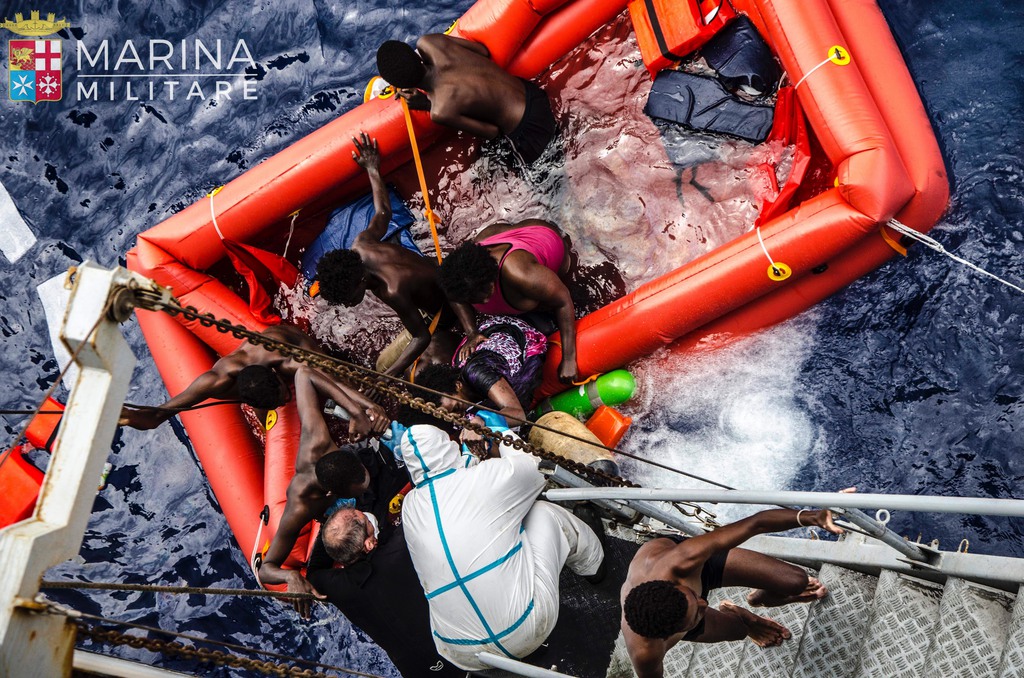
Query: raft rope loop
x=291, y=231
x=932, y=243
x=213, y=213
x=201, y=654
x=837, y=54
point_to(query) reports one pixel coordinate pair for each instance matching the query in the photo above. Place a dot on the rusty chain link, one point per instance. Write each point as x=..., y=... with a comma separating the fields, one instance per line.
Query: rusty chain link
x=362, y=376
x=201, y=654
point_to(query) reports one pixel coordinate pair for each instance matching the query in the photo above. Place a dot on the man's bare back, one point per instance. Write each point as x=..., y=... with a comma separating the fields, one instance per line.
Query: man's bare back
x=664, y=598
x=465, y=85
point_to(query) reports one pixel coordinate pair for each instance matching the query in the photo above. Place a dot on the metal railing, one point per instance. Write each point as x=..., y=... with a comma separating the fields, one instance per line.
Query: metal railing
x=846, y=504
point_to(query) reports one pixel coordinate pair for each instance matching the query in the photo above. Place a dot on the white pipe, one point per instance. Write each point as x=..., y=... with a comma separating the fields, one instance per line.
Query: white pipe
x=517, y=667
x=898, y=502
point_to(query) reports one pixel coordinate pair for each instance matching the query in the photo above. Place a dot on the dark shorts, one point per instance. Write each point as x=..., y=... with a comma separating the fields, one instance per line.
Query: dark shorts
x=710, y=579
x=533, y=133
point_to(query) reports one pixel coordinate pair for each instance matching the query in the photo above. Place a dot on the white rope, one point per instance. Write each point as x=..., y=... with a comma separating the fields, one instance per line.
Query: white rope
x=934, y=244
x=291, y=230
x=808, y=73
x=765, y=249
x=255, y=550
x=213, y=216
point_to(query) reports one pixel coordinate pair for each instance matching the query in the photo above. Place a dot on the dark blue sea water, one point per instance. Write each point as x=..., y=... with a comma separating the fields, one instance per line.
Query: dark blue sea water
x=909, y=381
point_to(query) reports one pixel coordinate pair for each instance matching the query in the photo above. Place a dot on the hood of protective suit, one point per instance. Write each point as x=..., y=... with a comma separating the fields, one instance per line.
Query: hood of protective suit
x=429, y=452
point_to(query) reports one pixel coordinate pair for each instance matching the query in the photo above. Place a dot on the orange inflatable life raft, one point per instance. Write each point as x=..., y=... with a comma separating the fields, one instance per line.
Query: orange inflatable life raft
x=20, y=480
x=848, y=87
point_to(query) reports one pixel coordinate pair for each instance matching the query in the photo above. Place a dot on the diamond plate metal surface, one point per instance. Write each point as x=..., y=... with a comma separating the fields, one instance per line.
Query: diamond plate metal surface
x=900, y=629
x=835, y=628
x=767, y=662
x=676, y=663
x=1012, y=662
x=719, y=660
x=971, y=633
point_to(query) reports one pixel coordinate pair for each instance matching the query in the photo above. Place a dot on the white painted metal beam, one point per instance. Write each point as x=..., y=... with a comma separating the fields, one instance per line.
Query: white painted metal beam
x=41, y=644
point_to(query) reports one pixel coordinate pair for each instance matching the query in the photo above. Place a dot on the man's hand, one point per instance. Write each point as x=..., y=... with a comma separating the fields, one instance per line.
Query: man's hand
x=366, y=155
x=142, y=418
x=379, y=421
x=568, y=372
x=472, y=341
x=476, y=443
x=359, y=426
x=822, y=519
x=299, y=584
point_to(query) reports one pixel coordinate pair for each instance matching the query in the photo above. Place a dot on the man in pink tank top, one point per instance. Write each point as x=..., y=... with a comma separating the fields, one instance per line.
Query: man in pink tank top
x=511, y=269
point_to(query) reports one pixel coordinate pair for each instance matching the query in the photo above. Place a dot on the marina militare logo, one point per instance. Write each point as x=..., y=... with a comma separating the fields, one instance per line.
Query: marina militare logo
x=34, y=65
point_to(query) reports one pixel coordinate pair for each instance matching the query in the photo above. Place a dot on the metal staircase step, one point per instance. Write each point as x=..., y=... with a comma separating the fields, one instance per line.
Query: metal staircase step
x=835, y=628
x=1012, y=663
x=900, y=629
x=719, y=660
x=971, y=632
x=766, y=662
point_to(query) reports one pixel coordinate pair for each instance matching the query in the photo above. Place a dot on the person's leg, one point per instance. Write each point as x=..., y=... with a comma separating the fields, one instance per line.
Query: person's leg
x=777, y=583
x=559, y=538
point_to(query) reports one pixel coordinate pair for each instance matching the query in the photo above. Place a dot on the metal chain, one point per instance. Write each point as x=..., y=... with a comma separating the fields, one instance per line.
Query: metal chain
x=189, y=590
x=369, y=379
x=201, y=654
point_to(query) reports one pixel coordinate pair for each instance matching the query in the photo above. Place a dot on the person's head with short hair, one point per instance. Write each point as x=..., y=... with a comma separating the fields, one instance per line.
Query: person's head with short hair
x=261, y=387
x=348, y=536
x=437, y=377
x=656, y=609
x=400, y=65
x=342, y=474
x=469, y=274
x=342, y=277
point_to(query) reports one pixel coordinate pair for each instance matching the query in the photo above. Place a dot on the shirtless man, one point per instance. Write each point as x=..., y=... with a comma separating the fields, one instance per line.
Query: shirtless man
x=308, y=498
x=258, y=377
x=664, y=597
x=405, y=281
x=469, y=92
x=511, y=269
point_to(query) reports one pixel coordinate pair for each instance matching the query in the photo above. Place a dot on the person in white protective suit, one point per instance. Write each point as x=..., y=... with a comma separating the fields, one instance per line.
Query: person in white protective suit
x=487, y=552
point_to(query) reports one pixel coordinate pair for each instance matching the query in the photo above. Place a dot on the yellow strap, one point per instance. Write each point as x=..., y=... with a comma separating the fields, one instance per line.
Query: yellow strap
x=431, y=217
x=892, y=242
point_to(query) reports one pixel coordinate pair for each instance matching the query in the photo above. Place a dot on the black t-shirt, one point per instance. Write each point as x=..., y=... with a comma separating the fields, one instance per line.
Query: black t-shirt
x=387, y=479
x=381, y=594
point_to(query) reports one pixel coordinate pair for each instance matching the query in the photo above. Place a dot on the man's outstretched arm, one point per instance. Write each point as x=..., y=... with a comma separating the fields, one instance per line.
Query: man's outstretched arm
x=367, y=156
x=699, y=548
x=214, y=383
x=295, y=517
x=543, y=286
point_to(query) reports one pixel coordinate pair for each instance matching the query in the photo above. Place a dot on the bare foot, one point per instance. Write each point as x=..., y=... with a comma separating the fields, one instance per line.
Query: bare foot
x=815, y=590
x=763, y=631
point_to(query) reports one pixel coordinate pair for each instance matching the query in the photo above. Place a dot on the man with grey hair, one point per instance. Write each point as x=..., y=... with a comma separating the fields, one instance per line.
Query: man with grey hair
x=375, y=586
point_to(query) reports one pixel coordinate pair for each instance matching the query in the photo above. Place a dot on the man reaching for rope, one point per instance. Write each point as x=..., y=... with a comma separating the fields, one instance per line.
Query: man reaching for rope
x=258, y=377
x=401, y=279
x=314, y=488
x=664, y=598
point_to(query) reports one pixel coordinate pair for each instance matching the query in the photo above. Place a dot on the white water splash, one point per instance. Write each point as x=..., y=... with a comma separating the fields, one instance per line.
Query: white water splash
x=734, y=414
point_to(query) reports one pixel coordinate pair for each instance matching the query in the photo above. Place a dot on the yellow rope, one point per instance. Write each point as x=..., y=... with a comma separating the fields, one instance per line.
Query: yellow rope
x=431, y=217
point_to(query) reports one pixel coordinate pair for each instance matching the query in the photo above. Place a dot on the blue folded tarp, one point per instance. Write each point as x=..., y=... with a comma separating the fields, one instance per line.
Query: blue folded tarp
x=348, y=221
